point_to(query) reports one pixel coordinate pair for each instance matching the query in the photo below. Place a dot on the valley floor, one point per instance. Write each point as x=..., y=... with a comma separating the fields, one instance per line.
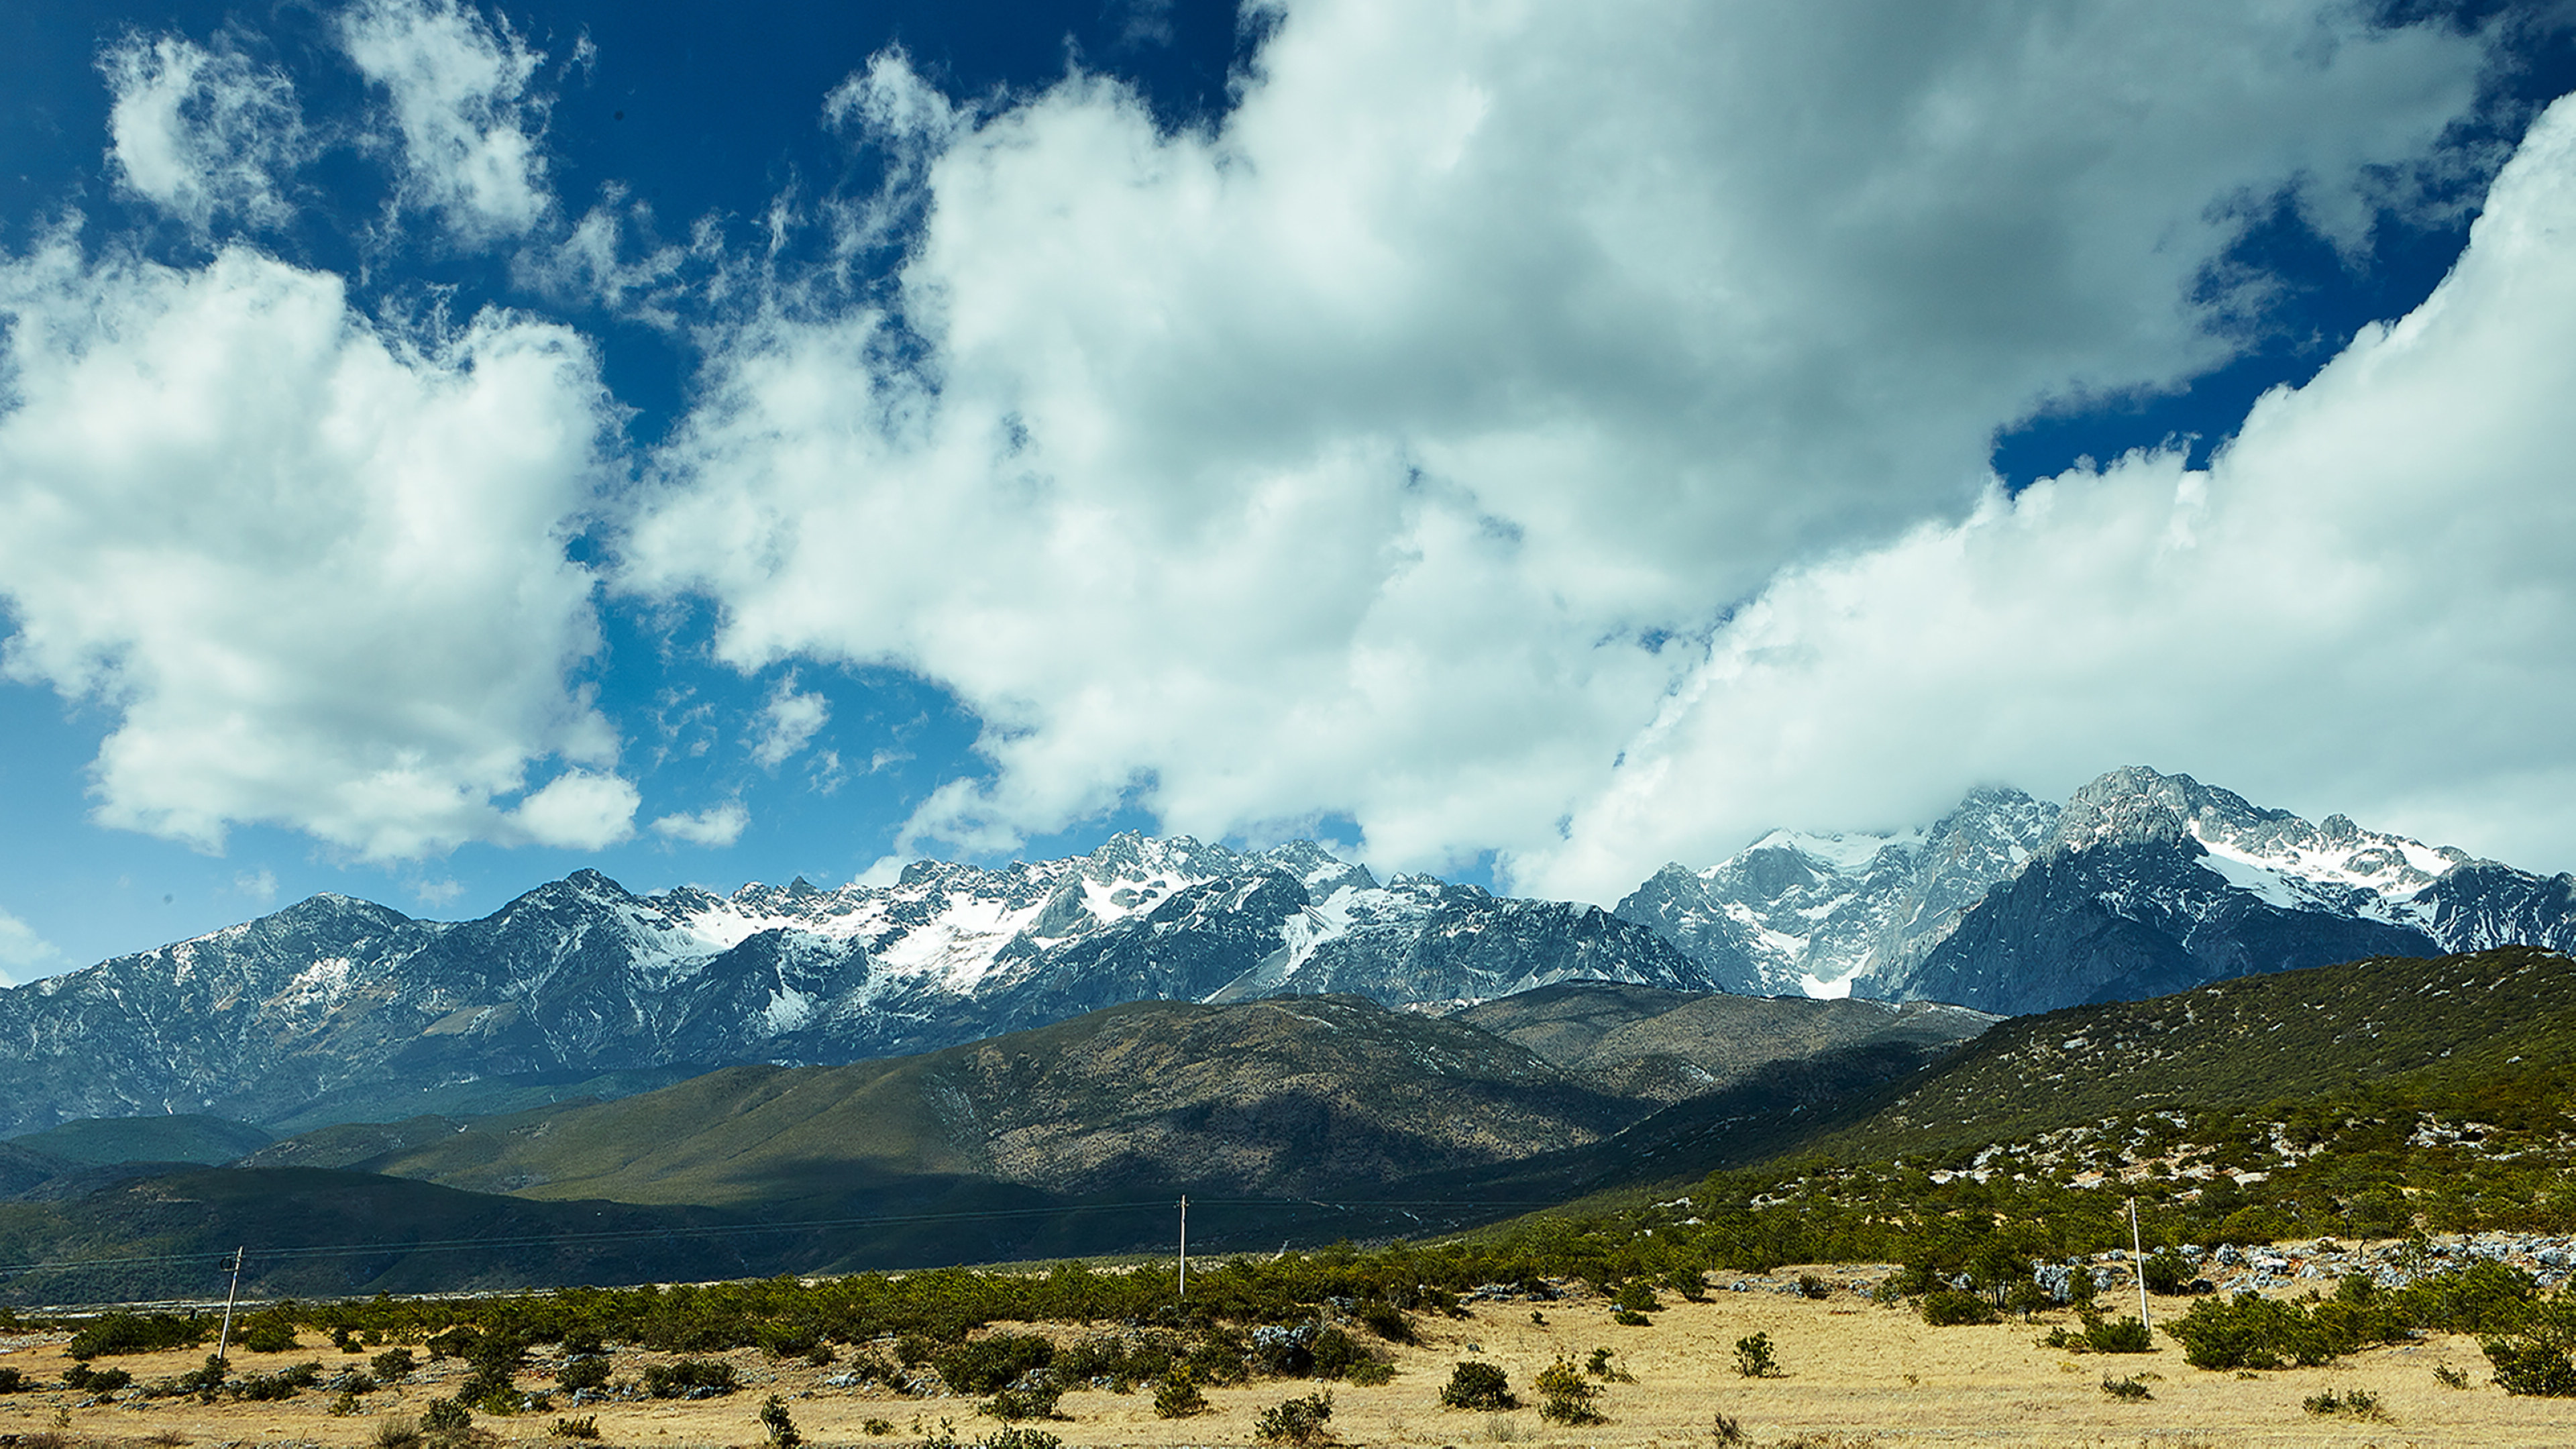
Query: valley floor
x=1854, y=1372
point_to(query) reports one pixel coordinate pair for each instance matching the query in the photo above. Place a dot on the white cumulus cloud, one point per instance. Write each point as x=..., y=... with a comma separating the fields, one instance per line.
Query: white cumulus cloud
x=1366, y=452
x=316, y=570
x=202, y=132
x=2363, y=605
x=471, y=131
x=788, y=723
x=24, y=955
x=715, y=827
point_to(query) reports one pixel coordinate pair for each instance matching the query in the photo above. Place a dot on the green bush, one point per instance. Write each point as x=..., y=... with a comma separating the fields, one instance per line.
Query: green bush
x=1297, y=1421
x=269, y=1336
x=87, y=1380
x=590, y=1371
x=393, y=1365
x=690, y=1378
x=2533, y=1364
x=1755, y=1359
x=12, y=1380
x=137, y=1333
x=2166, y=1273
x=446, y=1421
x=585, y=1427
x=1032, y=1400
x=2127, y=1389
x=2351, y=1403
x=283, y=1384
x=1016, y=1437
x=1475, y=1385
x=1950, y=1308
x=989, y=1364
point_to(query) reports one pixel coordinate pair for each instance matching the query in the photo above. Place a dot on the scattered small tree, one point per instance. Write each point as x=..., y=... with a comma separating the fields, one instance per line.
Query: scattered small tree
x=1754, y=1358
x=1565, y=1396
x=777, y=1424
x=1178, y=1396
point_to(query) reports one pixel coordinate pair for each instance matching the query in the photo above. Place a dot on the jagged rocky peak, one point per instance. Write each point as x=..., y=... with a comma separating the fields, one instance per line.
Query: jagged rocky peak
x=1815, y=912
x=2137, y=805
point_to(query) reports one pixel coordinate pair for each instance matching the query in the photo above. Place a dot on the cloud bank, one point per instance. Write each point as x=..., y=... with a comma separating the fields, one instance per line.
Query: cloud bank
x=1385, y=450
x=2363, y=604
x=315, y=569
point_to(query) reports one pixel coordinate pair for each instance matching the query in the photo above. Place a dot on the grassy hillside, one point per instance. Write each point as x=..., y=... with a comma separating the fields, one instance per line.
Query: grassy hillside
x=2491, y=1031
x=1296, y=1097
x=187, y=1137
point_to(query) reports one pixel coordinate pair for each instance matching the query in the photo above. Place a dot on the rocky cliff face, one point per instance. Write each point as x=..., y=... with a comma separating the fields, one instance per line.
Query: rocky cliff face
x=340, y=1010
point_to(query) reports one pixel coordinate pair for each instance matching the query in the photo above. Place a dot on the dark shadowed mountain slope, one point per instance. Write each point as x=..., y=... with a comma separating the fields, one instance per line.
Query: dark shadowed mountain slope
x=1666, y=1046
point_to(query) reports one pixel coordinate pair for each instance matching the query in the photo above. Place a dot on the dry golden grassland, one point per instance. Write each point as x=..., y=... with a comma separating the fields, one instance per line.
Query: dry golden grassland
x=1854, y=1373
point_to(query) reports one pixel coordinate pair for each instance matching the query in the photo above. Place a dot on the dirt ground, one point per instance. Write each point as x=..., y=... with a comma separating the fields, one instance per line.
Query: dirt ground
x=1854, y=1373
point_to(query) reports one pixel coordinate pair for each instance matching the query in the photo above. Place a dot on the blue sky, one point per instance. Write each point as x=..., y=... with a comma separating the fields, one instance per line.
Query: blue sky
x=445, y=446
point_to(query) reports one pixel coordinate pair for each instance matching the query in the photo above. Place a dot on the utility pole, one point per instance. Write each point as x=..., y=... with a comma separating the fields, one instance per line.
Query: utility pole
x=2137, y=1246
x=1185, y=1245
x=224, y=1343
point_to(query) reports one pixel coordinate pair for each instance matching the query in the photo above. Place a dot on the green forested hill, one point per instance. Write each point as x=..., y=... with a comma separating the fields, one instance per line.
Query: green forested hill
x=2487, y=1030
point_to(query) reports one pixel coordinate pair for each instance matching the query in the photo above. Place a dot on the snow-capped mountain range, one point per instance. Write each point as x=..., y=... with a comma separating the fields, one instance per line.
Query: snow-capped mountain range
x=2141, y=883
x=338, y=1009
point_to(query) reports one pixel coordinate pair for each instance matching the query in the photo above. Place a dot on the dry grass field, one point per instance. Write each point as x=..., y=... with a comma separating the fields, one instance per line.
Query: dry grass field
x=1854, y=1373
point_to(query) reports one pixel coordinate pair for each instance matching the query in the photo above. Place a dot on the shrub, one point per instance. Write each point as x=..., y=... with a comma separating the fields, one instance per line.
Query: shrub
x=1370, y=1371
x=268, y=1333
x=2127, y=1390
x=397, y=1433
x=590, y=1371
x=1811, y=1286
x=1565, y=1396
x=1636, y=1296
x=690, y=1378
x=282, y=1384
x=1387, y=1321
x=136, y=1333
x=2166, y=1273
x=1754, y=1358
x=2449, y=1377
x=87, y=1380
x=1603, y=1365
x=12, y=1380
x=1019, y=1438
x=2354, y=1403
x=876, y=1428
x=2534, y=1364
x=1034, y=1399
x=988, y=1364
x=446, y=1420
x=1477, y=1386
x=1631, y=1318
x=585, y=1427
x=1949, y=1308
x=1725, y=1430
x=1297, y=1421
x=775, y=1422
x=1178, y=1396
x=393, y=1365
x=2123, y=1335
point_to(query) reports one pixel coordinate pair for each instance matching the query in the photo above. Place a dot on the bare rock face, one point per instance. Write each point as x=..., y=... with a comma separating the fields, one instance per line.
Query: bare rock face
x=340, y=1010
